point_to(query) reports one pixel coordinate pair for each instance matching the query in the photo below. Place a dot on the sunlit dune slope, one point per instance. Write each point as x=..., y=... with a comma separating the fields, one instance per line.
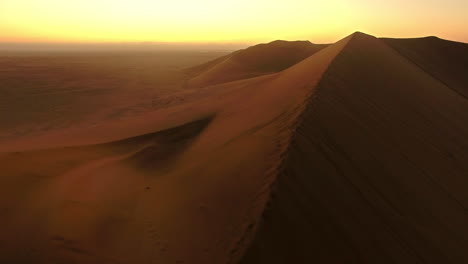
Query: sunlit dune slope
x=376, y=171
x=251, y=62
x=185, y=183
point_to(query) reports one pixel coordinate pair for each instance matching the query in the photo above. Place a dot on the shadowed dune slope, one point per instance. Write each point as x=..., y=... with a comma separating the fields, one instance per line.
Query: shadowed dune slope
x=251, y=62
x=376, y=171
x=445, y=60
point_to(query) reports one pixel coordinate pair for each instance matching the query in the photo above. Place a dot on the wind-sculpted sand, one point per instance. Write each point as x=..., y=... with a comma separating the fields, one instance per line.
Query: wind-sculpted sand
x=354, y=152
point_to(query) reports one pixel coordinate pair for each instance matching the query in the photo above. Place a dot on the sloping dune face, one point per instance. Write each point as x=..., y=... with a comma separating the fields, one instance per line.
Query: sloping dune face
x=186, y=183
x=376, y=171
x=254, y=61
x=445, y=60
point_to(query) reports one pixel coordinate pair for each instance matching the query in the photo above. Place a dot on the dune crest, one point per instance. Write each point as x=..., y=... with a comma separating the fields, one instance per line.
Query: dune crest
x=368, y=178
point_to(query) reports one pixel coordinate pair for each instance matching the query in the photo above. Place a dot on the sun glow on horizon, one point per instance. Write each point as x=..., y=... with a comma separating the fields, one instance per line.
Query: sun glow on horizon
x=226, y=21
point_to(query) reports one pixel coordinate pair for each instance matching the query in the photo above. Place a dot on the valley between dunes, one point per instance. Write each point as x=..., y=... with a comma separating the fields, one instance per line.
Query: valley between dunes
x=287, y=152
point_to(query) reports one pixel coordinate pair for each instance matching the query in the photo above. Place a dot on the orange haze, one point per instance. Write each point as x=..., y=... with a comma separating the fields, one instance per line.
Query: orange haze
x=227, y=21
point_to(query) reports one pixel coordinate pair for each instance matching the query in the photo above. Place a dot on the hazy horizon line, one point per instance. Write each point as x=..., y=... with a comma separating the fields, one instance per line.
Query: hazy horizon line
x=146, y=45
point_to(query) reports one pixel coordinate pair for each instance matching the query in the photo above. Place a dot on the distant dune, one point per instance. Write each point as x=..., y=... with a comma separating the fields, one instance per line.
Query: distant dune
x=252, y=62
x=287, y=152
x=445, y=60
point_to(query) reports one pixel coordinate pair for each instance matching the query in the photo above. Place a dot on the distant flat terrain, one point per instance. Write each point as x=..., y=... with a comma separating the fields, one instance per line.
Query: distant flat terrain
x=43, y=90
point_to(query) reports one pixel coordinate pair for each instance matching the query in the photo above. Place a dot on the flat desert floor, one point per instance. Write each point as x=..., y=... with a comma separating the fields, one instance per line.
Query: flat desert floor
x=46, y=90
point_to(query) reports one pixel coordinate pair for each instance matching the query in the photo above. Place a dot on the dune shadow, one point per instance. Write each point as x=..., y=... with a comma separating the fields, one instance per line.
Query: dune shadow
x=160, y=149
x=156, y=150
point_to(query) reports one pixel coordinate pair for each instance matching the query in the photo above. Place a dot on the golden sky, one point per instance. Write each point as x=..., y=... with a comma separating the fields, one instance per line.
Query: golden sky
x=247, y=21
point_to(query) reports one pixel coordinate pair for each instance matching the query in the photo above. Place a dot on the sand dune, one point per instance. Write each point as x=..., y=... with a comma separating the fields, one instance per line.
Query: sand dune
x=445, y=60
x=252, y=62
x=376, y=172
x=350, y=153
x=91, y=204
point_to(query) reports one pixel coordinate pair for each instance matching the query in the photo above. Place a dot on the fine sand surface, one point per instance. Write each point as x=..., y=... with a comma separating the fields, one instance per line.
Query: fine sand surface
x=44, y=91
x=287, y=152
x=377, y=170
x=252, y=62
x=445, y=60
